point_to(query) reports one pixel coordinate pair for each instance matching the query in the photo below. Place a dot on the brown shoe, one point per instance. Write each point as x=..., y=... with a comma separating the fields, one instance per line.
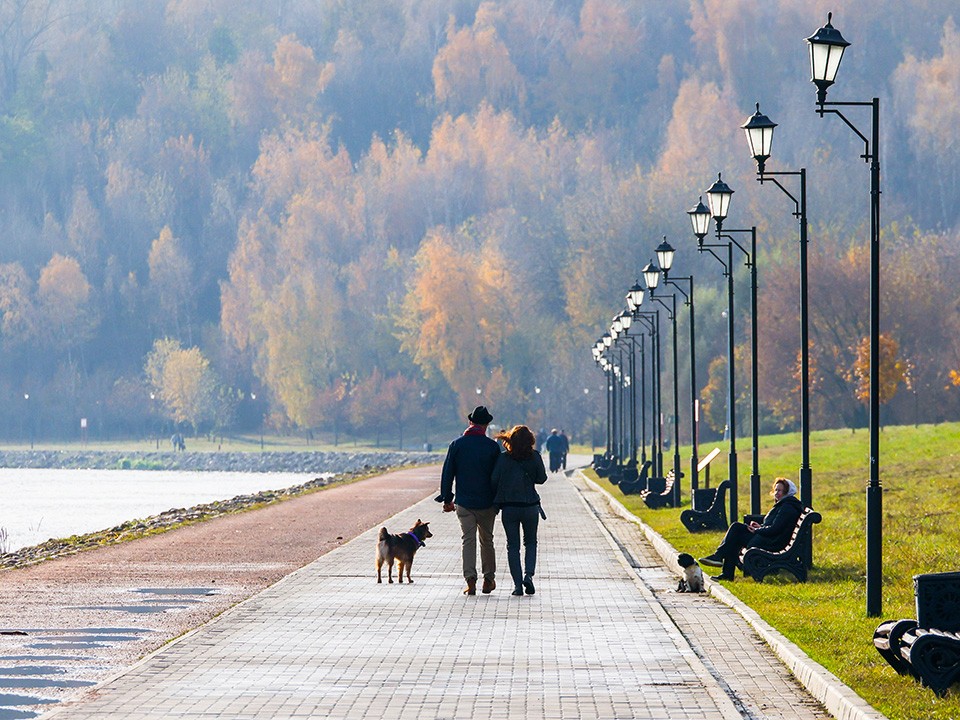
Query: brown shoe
x=489, y=585
x=471, y=588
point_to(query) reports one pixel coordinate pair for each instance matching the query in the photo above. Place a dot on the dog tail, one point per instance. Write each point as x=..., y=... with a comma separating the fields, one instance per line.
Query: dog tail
x=383, y=533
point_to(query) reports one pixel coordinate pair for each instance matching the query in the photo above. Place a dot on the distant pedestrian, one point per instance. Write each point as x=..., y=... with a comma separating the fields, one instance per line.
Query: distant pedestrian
x=554, y=446
x=516, y=473
x=541, y=437
x=566, y=449
x=469, y=465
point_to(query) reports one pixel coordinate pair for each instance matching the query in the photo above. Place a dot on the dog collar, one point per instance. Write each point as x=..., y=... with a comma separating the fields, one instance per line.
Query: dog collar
x=420, y=543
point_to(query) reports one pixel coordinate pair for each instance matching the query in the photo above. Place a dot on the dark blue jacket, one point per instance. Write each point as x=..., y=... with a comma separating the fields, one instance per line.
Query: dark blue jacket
x=514, y=480
x=469, y=463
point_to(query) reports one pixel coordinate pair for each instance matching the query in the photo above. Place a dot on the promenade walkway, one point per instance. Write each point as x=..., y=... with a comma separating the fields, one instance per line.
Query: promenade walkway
x=604, y=637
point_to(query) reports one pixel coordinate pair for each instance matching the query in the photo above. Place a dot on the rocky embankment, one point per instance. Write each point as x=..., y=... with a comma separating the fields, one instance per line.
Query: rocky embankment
x=318, y=462
x=336, y=467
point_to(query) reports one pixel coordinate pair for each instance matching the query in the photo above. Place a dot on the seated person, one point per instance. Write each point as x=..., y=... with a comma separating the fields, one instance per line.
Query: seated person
x=773, y=534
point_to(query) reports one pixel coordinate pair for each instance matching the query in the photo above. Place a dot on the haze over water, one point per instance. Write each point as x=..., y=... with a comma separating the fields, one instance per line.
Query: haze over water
x=41, y=504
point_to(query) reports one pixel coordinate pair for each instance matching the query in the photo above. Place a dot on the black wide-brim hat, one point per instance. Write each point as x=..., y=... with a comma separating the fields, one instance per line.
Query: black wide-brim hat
x=480, y=416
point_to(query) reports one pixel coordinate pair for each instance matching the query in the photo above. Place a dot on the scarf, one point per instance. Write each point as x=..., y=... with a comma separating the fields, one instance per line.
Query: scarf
x=476, y=430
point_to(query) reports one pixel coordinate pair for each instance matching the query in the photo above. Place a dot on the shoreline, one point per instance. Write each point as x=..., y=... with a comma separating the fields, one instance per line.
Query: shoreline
x=311, y=462
x=339, y=468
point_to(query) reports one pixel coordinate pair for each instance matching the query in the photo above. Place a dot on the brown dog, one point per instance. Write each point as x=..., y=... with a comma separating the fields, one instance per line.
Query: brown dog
x=402, y=548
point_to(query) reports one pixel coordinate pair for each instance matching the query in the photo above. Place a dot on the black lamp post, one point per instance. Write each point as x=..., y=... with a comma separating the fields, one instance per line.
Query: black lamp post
x=665, y=255
x=626, y=320
x=826, y=51
x=719, y=196
x=616, y=330
x=634, y=300
x=759, y=131
x=651, y=275
x=605, y=342
x=652, y=321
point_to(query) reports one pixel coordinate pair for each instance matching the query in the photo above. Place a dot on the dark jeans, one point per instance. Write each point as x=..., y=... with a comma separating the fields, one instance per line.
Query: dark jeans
x=736, y=539
x=513, y=518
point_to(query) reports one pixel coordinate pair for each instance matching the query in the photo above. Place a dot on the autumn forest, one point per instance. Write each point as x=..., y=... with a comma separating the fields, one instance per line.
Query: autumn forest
x=349, y=216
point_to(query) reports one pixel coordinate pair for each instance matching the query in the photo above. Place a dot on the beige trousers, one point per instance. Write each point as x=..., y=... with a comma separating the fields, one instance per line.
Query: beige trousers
x=472, y=524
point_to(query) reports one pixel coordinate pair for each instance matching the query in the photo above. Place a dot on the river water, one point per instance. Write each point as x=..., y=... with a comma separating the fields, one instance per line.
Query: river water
x=36, y=505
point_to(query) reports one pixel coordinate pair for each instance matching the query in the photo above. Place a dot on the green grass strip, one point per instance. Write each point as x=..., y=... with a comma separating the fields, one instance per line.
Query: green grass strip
x=826, y=616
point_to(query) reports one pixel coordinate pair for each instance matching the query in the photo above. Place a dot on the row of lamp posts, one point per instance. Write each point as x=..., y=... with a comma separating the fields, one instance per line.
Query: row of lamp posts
x=615, y=351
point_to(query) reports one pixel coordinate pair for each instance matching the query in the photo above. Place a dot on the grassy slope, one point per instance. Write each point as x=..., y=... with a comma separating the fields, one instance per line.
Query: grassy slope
x=920, y=474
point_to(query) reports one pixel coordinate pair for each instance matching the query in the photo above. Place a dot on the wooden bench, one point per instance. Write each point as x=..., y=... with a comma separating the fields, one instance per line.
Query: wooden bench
x=714, y=517
x=887, y=639
x=929, y=655
x=632, y=487
x=654, y=499
x=758, y=563
x=933, y=656
x=927, y=648
x=602, y=465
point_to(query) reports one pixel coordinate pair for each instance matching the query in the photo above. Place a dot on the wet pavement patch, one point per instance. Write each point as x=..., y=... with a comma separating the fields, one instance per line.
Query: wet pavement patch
x=66, y=646
x=177, y=591
x=41, y=658
x=8, y=700
x=8, y=714
x=32, y=670
x=132, y=608
x=90, y=638
x=29, y=683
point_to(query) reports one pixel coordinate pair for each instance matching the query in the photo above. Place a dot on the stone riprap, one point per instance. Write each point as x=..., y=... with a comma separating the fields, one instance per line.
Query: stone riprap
x=285, y=462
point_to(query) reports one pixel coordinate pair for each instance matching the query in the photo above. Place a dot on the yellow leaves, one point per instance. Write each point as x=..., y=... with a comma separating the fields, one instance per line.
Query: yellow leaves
x=461, y=308
x=297, y=78
x=64, y=300
x=929, y=89
x=892, y=368
x=63, y=283
x=182, y=380
x=475, y=66
x=17, y=313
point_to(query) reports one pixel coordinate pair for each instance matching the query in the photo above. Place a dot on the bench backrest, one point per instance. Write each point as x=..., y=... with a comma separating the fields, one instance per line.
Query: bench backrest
x=804, y=526
x=720, y=497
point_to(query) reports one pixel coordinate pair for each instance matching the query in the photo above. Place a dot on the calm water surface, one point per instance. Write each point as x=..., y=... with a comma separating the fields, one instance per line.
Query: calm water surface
x=36, y=505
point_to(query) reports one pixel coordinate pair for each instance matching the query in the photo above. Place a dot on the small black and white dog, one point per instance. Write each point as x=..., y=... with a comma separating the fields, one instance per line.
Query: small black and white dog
x=692, y=580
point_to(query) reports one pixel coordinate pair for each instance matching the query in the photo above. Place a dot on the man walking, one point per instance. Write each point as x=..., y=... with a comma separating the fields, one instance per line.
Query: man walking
x=554, y=446
x=469, y=464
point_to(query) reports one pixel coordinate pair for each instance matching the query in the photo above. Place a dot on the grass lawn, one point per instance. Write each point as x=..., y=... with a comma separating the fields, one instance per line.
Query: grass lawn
x=920, y=474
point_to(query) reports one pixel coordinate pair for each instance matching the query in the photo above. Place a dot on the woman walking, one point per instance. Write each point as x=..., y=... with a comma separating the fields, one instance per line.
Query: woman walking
x=516, y=473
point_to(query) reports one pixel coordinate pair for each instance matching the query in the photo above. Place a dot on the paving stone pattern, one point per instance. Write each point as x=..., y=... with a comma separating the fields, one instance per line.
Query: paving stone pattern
x=328, y=642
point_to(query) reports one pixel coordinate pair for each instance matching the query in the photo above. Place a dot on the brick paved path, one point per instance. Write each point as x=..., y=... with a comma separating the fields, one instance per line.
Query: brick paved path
x=328, y=642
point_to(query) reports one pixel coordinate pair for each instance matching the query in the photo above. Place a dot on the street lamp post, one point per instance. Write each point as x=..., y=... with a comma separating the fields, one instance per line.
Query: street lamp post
x=423, y=408
x=626, y=320
x=700, y=218
x=719, y=196
x=826, y=50
x=652, y=322
x=665, y=256
x=651, y=275
x=759, y=130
